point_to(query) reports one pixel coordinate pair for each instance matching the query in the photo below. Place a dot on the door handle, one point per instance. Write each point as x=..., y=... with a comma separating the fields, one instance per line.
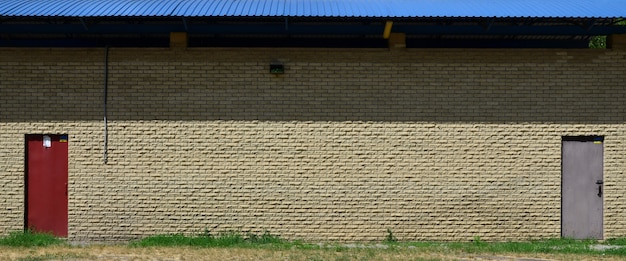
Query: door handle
x=599, y=183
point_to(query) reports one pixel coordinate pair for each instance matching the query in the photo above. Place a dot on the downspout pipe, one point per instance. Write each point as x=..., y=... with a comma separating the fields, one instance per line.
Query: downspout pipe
x=105, y=155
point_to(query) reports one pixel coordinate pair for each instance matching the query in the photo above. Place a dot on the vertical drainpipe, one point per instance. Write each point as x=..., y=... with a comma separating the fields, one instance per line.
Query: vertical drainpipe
x=105, y=94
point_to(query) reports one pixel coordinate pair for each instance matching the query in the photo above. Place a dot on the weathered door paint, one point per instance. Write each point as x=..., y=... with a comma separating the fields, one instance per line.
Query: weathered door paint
x=582, y=190
x=46, y=183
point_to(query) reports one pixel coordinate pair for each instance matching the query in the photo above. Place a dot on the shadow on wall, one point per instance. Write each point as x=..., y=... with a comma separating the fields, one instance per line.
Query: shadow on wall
x=511, y=88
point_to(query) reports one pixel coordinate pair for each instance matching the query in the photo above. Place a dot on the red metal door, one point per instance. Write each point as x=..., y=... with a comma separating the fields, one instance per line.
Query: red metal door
x=46, y=184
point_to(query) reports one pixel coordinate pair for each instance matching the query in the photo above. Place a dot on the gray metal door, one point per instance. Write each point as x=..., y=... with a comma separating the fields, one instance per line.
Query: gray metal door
x=582, y=187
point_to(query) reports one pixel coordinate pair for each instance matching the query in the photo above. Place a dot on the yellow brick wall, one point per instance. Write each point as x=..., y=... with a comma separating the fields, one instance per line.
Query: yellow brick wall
x=434, y=144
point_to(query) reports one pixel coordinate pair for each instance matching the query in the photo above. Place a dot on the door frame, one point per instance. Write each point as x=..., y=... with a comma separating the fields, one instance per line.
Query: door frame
x=25, y=221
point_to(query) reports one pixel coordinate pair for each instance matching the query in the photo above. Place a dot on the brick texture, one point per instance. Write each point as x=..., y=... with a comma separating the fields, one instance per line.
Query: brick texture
x=434, y=144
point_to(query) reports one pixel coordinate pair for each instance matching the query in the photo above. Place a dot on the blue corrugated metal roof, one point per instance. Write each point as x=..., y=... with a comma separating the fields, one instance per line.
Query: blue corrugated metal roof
x=317, y=8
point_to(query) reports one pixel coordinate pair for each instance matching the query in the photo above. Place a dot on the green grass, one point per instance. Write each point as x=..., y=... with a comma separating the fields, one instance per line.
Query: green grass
x=229, y=239
x=29, y=239
x=269, y=241
x=547, y=246
x=616, y=241
x=543, y=246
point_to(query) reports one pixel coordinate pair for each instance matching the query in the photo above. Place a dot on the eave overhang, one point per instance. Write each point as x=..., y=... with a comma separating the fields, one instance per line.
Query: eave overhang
x=441, y=26
x=577, y=20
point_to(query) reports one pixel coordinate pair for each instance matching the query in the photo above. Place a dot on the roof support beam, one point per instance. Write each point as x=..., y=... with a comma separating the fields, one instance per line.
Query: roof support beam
x=387, y=31
x=489, y=24
x=321, y=29
x=397, y=41
x=185, y=23
x=82, y=21
x=509, y=30
x=286, y=24
x=178, y=40
x=616, y=42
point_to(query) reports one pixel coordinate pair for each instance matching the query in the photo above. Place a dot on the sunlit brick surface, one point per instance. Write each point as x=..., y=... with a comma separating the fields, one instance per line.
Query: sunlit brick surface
x=433, y=144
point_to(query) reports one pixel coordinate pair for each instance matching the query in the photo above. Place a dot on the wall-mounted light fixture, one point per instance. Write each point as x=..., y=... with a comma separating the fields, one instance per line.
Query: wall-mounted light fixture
x=47, y=142
x=277, y=68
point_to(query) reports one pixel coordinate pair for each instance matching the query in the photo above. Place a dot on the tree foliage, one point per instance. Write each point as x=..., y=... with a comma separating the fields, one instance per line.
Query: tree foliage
x=599, y=42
